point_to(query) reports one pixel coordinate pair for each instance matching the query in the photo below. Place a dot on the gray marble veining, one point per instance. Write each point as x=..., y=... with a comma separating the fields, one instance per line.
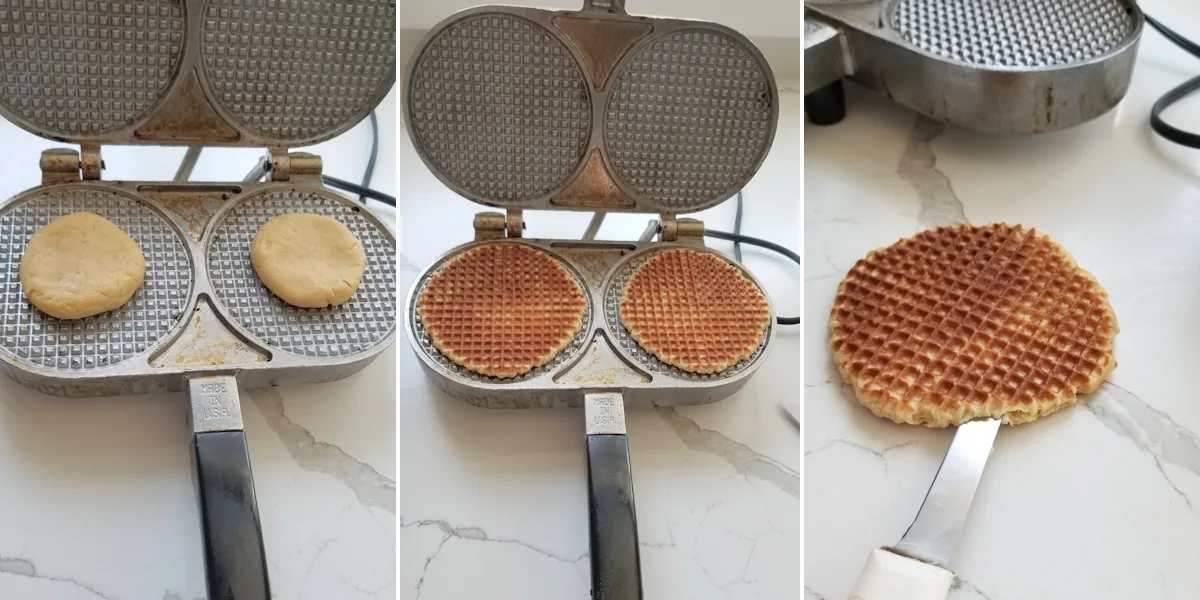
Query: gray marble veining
x=372, y=488
x=741, y=457
x=940, y=206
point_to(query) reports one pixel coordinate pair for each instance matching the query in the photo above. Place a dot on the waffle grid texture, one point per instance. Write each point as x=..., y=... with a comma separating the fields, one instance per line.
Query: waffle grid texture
x=344, y=330
x=501, y=107
x=103, y=340
x=298, y=69
x=502, y=311
x=83, y=67
x=962, y=323
x=687, y=313
x=1014, y=33
x=689, y=118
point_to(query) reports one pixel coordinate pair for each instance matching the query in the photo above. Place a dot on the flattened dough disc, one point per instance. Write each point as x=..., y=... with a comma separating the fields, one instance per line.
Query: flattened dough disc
x=80, y=265
x=309, y=261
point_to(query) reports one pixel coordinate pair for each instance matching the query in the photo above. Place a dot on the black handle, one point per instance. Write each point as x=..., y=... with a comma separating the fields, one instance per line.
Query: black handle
x=826, y=106
x=235, y=564
x=612, y=522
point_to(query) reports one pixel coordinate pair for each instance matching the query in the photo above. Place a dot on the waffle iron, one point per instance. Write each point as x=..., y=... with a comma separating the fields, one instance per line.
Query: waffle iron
x=592, y=110
x=997, y=66
x=245, y=73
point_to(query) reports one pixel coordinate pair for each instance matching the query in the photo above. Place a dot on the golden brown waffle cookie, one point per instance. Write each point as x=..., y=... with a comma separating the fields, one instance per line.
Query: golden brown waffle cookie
x=960, y=323
x=502, y=308
x=694, y=310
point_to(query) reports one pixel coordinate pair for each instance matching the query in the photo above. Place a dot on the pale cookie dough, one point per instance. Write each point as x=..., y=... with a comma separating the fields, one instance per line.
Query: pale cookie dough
x=310, y=261
x=81, y=265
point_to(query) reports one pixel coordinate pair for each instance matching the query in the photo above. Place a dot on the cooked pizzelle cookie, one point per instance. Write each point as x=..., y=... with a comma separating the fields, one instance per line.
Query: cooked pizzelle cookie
x=965, y=322
x=308, y=260
x=81, y=265
x=502, y=308
x=694, y=310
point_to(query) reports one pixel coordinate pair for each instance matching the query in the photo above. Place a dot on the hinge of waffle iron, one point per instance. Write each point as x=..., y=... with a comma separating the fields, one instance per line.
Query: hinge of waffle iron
x=63, y=165
x=293, y=166
x=684, y=231
x=495, y=226
x=605, y=6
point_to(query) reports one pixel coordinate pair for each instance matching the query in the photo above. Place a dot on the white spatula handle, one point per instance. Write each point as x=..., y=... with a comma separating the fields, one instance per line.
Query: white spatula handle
x=889, y=576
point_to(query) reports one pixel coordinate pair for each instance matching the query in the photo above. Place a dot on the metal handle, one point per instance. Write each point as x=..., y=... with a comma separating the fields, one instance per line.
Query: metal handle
x=612, y=520
x=889, y=576
x=235, y=564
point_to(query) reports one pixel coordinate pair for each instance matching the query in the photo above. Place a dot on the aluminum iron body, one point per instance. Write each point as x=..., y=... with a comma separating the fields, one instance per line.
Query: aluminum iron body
x=592, y=110
x=270, y=75
x=205, y=335
x=601, y=357
x=928, y=56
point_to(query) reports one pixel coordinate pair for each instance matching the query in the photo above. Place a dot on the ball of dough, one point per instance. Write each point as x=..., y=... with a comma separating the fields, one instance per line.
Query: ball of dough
x=81, y=265
x=310, y=261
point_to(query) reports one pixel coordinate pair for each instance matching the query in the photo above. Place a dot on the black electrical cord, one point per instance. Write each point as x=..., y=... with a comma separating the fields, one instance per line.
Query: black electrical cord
x=1169, y=132
x=738, y=239
x=753, y=241
x=342, y=184
x=1185, y=44
x=366, y=180
x=737, y=228
x=362, y=191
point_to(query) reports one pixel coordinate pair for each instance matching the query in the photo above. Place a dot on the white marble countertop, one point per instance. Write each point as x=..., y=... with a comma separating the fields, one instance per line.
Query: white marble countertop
x=494, y=502
x=1099, y=500
x=96, y=495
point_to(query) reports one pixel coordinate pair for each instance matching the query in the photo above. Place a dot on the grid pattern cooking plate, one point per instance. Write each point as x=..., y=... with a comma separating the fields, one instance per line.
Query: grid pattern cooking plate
x=350, y=328
x=299, y=69
x=617, y=331
x=80, y=67
x=35, y=338
x=1014, y=33
x=689, y=119
x=500, y=106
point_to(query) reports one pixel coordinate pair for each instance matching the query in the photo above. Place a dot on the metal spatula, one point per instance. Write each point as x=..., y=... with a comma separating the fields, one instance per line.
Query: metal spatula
x=918, y=568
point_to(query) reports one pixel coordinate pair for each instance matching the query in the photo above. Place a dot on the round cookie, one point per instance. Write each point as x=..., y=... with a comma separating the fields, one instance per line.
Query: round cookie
x=502, y=309
x=309, y=261
x=694, y=310
x=971, y=322
x=81, y=265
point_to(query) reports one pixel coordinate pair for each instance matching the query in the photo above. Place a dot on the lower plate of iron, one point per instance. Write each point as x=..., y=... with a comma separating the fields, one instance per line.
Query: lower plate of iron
x=602, y=356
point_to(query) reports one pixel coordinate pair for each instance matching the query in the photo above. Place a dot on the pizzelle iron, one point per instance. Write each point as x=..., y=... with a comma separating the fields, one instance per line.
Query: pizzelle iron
x=999, y=66
x=244, y=73
x=590, y=110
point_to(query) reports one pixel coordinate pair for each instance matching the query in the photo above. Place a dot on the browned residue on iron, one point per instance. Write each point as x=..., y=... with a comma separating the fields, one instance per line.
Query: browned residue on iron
x=186, y=116
x=593, y=188
x=602, y=42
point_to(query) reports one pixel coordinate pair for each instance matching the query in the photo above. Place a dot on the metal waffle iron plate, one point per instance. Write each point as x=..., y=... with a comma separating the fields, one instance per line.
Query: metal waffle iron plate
x=1004, y=66
x=600, y=111
x=216, y=72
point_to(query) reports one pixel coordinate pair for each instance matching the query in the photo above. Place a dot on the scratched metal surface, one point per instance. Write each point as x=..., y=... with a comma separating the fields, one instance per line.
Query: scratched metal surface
x=613, y=360
x=216, y=72
x=509, y=106
x=202, y=308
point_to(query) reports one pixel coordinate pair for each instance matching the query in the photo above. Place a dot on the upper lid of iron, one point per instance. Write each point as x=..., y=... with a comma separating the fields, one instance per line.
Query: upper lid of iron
x=589, y=110
x=214, y=72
